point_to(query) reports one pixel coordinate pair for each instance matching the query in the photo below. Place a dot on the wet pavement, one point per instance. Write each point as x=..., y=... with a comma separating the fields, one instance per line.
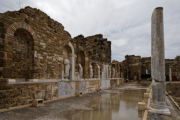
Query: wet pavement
x=114, y=104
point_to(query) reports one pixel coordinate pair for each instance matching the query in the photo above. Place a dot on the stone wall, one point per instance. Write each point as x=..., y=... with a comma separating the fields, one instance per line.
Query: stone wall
x=101, y=48
x=175, y=69
x=146, y=67
x=116, y=71
x=32, y=45
x=134, y=66
x=13, y=95
x=92, y=51
x=23, y=94
x=40, y=60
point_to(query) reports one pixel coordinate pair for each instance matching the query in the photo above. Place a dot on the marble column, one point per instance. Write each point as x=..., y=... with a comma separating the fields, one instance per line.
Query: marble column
x=157, y=61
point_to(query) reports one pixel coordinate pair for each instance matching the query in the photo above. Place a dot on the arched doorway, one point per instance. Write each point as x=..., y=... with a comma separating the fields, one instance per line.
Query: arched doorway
x=22, y=55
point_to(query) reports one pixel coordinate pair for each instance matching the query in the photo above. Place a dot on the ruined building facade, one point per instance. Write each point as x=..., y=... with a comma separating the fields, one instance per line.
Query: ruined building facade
x=40, y=60
x=93, y=55
x=139, y=68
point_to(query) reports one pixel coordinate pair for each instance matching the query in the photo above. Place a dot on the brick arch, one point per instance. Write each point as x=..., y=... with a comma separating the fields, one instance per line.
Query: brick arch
x=12, y=49
x=18, y=25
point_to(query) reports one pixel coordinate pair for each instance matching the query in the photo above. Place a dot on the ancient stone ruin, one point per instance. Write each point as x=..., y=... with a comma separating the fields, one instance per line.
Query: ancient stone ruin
x=40, y=60
x=134, y=66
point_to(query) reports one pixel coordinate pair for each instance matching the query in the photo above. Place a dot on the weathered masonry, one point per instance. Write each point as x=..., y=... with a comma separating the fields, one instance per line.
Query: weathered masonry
x=40, y=60
x=139, y=68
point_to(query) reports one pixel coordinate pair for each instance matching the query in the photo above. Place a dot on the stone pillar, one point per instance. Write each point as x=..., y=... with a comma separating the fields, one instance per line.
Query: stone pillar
x=170, y=74
x=158, y=105
x=91, y=71
x=99, y=73
x=157, y=61
x=109, y=72
x=62, y=77
x=80, y=71
x=72, y=68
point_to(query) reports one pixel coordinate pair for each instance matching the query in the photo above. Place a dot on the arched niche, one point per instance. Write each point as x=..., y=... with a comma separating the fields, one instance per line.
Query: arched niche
x=95, y=70
x=81, y=61
x=68, y=56
x=67, y=53
x=22, y=55
x=19, y=47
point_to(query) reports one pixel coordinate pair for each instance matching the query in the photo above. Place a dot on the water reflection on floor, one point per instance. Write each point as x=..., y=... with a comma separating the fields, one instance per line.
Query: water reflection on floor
x=116, y=104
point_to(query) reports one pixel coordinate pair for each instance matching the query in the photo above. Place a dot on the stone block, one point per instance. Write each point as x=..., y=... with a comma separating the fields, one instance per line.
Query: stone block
x=146, y=95
x=3, y=82
x=38, y=102
x=141, y=106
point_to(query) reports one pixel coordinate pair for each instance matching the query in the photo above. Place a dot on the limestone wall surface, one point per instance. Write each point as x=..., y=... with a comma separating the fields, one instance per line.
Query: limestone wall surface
x=23, y=94
x=134, y=66
x=32, y=44
x=19, y=94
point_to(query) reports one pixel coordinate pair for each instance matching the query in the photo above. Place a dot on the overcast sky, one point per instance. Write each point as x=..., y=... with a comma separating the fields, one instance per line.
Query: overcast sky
x=126, y=23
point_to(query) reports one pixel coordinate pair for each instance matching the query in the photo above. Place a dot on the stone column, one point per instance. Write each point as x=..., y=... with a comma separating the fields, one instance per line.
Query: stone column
x=72, y=71
x=72, y=68
x=109, y=71
x=157, y=61
x=170, y=74
x=99, y=73
x=62, y=77
x=91, y=71
x=158, y=105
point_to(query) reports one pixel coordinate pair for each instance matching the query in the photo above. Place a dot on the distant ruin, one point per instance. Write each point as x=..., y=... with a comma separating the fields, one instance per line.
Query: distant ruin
x=141, y=67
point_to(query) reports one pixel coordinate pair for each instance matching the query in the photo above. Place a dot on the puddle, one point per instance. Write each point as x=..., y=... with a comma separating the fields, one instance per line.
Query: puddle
x=116, y=104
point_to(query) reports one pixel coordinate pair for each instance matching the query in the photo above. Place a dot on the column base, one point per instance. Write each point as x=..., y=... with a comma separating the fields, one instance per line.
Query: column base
x=163, y=110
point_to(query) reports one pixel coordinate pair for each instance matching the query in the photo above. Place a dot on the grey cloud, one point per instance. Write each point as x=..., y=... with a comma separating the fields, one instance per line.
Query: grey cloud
x=127, y=23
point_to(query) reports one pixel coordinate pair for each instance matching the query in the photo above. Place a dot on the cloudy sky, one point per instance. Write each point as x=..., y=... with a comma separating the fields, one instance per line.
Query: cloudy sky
x=126, y=23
